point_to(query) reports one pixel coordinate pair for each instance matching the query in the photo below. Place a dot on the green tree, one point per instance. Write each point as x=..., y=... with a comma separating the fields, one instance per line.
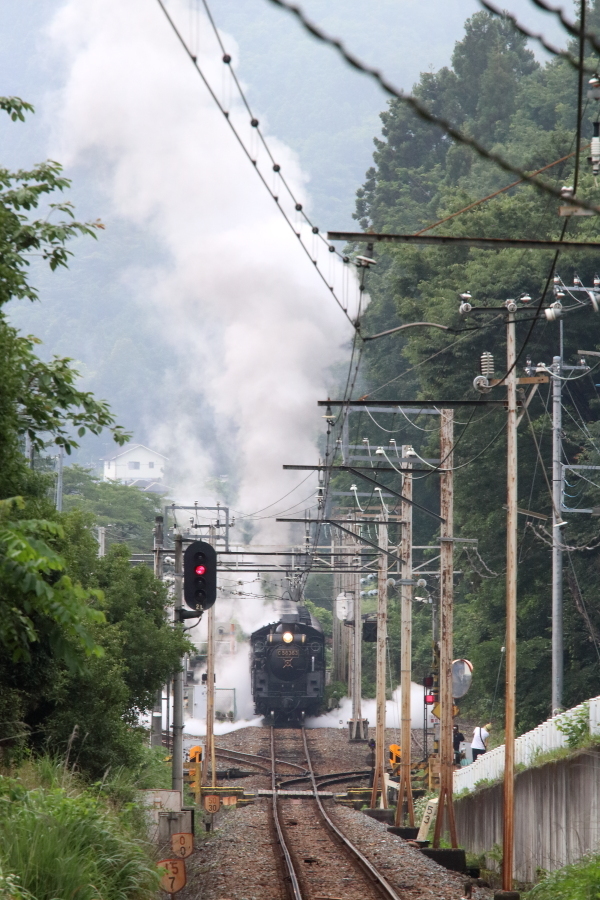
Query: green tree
x=128, y=512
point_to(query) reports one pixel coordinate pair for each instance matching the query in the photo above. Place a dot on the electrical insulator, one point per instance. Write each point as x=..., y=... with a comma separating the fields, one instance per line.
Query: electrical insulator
x=554, y=312
x=596, y=281
x=577, y=282
x=486, y=364
x=465, y=306
x=595, y=149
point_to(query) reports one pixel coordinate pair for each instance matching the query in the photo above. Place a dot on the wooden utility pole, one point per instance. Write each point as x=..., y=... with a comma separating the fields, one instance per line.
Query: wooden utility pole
x=177, y=778
x=511, y=608
x=445, y=802
x=405, y=786
x=210, y=694
x=382, y=588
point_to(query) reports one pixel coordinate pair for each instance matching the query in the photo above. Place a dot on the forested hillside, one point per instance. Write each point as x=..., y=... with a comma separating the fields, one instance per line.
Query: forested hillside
x=497, y=92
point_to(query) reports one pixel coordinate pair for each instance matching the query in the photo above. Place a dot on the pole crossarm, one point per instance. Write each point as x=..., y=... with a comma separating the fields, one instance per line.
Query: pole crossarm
x=424, y=509
x=437, y=240
x=345, y=469
x=415, y=404
x=356, y=537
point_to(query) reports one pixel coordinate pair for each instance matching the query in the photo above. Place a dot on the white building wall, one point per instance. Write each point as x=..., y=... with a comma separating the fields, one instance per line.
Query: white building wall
x=133, y=463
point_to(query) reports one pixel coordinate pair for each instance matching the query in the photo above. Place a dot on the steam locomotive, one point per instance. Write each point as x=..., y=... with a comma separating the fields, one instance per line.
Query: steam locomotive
x=287, y=664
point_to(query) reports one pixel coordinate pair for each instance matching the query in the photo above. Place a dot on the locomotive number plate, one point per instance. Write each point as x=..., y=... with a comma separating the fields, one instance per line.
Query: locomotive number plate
x=288, y=651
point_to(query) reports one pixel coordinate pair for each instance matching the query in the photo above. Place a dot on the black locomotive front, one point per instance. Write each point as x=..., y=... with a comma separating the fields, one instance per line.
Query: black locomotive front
x=288, y=667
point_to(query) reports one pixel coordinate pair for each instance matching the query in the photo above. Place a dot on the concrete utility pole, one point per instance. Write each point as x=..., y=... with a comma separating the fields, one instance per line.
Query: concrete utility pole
x=511, y=608
x=59, y=480
x=358, y=727
x=210, y=694
x=405, y=786
x=336, y=637
x=156, y=724
x=101, y=541
x=557, y=560
x=178, y=677
x=445, y=802
x=382, y=588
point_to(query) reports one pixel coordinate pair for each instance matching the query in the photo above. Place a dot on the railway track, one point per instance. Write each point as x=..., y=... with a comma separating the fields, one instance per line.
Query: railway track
x=319, y=860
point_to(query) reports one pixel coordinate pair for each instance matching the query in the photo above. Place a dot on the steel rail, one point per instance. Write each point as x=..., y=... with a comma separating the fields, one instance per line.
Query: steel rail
x=371, y=872
x=331, y=776
x=295, y=885
x=224, y=751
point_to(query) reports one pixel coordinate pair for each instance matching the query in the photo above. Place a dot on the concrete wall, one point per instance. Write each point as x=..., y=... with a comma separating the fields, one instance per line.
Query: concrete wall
x=557, y=815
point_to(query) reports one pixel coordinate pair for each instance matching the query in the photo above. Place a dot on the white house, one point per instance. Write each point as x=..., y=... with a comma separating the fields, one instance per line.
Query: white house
x=135, y=463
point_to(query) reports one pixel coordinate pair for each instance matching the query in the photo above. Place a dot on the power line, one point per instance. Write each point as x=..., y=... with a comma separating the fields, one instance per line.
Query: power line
x=255, y=124
x=555, y=51
x=495, y=194
x=570, y=26
x=420, y=109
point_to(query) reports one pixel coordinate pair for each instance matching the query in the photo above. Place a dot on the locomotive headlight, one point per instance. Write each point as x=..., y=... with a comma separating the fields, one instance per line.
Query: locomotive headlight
x=288, y=637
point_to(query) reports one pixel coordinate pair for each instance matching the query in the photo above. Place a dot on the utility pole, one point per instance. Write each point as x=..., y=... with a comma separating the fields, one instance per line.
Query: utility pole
x=101, y=541
x=405, y=786
x=358, y=727
x=557, y=560
x=210, y=694
x=382, y=588
x=336, y=637
x=445, y=802
x=156, y=724
x=178, y=677
x=511, y=606
x=59, y=480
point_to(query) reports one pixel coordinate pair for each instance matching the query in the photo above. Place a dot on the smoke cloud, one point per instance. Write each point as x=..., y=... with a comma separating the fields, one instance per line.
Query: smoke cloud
x=255, y=330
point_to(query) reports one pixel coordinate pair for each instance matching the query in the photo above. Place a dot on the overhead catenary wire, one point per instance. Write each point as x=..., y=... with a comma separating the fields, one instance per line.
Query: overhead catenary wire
x=248, y=154
x=422, y=111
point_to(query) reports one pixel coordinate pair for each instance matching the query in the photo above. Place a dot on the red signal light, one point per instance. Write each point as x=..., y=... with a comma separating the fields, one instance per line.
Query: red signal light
x=200, y=570
x=429, y=698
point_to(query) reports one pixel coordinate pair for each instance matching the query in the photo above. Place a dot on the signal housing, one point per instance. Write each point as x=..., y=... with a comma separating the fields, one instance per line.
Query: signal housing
x=200, y=575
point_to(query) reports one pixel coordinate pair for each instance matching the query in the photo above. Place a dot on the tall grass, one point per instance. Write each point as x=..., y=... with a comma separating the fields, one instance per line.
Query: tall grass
x=61, y=840
x=580, y=881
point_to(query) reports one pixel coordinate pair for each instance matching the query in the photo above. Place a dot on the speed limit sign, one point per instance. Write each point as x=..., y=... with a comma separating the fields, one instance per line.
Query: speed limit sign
x=212, y=803
x=182, y=844
x=173, y=878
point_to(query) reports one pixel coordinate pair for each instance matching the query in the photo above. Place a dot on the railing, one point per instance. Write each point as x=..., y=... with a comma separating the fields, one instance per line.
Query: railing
x=547, y=736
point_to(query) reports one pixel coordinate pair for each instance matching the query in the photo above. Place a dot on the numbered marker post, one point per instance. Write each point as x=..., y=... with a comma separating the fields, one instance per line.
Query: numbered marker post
x=212, y=803
x=182, y=844
x=174, y=877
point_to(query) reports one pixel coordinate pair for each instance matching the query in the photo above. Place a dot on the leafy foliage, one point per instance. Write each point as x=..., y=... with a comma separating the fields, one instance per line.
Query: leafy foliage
x=36, y=594
x=128, y=512
x=86, y=642
x=576, y=727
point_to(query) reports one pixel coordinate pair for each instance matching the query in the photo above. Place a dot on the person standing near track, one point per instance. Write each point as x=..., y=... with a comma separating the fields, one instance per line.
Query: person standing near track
x=457, y=737
x=479, y=742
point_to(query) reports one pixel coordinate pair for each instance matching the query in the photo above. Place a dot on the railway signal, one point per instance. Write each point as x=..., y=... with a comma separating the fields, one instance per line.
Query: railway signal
x=200, y=575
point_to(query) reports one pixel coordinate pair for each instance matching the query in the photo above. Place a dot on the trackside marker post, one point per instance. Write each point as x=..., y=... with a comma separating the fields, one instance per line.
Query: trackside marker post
x=174, y=876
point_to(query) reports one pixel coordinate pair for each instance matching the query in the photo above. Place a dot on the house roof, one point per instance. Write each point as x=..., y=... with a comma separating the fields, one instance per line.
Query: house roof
x=133, y=447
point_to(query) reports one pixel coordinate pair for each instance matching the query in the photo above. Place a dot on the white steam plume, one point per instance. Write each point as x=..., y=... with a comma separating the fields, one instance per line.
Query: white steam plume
x=255, y=329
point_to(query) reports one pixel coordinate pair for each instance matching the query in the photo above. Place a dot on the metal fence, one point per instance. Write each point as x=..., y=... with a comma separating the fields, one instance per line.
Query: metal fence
x=547, y=736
